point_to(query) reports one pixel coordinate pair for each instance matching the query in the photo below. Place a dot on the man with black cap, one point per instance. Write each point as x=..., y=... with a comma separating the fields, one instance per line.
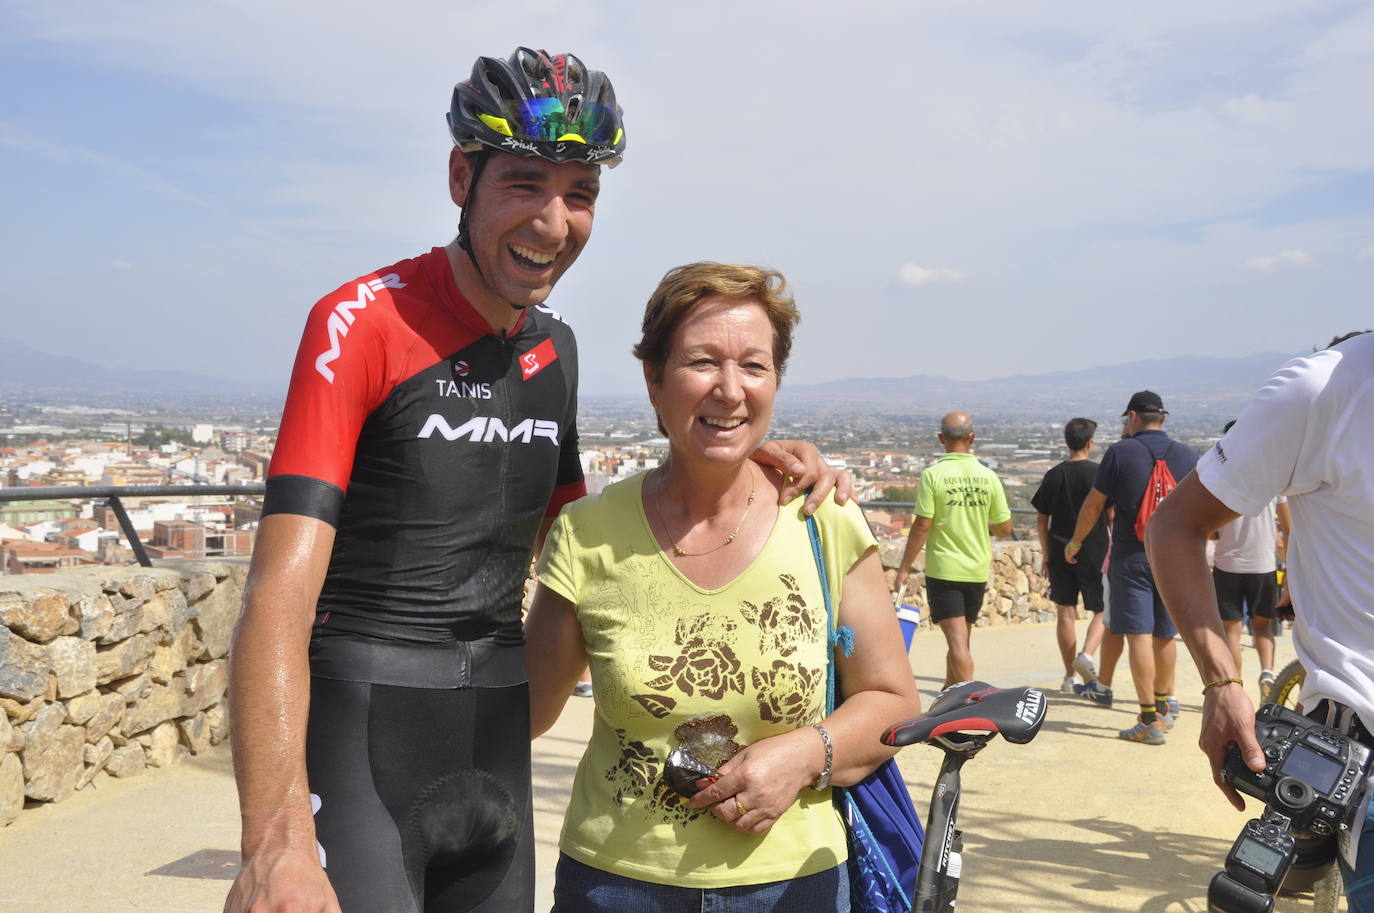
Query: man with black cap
x=1136, y=610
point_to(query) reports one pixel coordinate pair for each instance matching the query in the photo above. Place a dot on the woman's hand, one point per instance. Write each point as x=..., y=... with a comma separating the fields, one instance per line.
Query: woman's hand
x=804, y=468
x=762, y=781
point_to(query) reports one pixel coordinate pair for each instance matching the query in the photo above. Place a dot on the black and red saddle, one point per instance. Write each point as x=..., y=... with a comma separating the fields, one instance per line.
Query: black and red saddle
x=972, y=708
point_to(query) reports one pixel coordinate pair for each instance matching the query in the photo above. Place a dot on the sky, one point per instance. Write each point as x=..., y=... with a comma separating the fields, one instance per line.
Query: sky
x=972, y=189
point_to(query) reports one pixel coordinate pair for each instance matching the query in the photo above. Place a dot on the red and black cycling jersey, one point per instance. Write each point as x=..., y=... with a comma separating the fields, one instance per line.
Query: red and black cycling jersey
x=434, y=446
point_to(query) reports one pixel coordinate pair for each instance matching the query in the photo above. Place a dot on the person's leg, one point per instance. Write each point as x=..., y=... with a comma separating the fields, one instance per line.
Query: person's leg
x=958, y=657
x=1092, y=640
x=1141, y=654
x=1133, y=615
x=1232, y=629
x=1066, y=618
x=1113, y=645
x=1264, y=643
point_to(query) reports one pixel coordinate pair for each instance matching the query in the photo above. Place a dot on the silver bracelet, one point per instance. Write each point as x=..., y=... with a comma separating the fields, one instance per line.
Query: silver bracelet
x=823, y=781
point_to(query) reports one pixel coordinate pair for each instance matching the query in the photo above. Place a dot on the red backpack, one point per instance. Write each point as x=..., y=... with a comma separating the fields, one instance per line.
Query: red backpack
x=1160, y=483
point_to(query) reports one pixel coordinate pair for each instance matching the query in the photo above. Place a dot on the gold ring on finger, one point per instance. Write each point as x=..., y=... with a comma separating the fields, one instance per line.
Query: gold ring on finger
x=740, y=807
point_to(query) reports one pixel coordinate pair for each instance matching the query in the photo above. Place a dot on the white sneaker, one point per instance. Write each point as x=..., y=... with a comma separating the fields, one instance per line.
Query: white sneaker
x=1266, y=682
x=1066, y=685
x=1083, y=665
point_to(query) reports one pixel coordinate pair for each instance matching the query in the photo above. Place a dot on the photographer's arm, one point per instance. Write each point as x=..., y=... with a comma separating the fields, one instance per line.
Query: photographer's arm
x=1176, y=542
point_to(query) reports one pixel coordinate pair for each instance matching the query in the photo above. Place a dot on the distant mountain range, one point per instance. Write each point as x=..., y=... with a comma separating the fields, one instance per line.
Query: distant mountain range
x=26, y=369
x=1188, y=384
x=1205, y=387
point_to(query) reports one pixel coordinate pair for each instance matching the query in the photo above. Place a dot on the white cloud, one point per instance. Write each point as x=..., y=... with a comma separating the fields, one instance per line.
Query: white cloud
x=1367, y=252
x=121, y=266
x=914, y=276
x=1265, y=264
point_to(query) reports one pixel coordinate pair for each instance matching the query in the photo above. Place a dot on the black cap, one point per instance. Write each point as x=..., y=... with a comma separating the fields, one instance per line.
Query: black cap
x=1145, y=402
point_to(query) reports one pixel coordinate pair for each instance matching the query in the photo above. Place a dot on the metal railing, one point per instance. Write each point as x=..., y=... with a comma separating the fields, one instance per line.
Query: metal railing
x=111, y=495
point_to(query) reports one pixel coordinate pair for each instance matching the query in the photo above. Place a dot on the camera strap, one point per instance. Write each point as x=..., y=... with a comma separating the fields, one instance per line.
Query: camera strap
x=1340, y=717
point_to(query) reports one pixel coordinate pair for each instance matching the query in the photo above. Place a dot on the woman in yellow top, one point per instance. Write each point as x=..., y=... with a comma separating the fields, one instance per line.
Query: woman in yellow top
x=697, y=602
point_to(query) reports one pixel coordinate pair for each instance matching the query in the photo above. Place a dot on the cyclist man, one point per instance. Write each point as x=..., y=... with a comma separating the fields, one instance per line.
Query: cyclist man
x=380, y=712
x=1308, y=434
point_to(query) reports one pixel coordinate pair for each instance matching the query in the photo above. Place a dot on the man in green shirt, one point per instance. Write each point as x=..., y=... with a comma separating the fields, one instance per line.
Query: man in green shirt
x=959, y=503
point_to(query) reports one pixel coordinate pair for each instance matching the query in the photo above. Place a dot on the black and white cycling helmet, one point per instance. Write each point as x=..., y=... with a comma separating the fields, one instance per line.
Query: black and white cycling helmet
x=535, y=104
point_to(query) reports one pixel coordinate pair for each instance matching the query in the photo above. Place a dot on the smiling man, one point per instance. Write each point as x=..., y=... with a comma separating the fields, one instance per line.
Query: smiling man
x=380, y=705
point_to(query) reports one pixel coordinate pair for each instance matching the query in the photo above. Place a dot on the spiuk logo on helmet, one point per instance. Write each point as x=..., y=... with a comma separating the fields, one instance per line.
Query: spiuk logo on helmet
x=537, y=104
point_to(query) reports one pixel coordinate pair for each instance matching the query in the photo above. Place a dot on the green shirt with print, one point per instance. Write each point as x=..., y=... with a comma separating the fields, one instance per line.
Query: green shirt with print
x=961, y=497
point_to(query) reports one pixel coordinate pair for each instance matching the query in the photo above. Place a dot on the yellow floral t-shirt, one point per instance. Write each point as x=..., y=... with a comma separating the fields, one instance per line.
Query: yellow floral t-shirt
x=664, y=651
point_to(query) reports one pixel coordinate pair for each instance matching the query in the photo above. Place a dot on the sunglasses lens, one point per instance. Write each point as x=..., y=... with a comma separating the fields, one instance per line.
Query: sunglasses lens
x=683, y=772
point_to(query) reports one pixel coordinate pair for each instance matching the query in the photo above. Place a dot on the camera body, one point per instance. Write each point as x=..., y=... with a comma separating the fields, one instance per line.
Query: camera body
x=1314, y=775
x=1312, y=784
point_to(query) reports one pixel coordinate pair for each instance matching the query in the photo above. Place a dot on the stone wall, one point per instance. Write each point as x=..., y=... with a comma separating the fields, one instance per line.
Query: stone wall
x=1016, y=590
x=107, y=671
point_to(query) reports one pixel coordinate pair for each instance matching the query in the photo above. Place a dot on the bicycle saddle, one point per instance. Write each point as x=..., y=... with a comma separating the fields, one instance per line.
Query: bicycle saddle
x=974, y=707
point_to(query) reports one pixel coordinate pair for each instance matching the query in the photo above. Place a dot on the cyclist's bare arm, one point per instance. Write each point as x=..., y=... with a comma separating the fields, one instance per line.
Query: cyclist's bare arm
x=269, y=699
x=1177, y=545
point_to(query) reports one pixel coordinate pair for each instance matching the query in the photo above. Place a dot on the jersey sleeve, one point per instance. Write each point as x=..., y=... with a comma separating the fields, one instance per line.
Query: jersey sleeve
x=1259, y=456
x=925, y=495
x=1043, y=499
x=998, y=511
x=556, y=567
x=1105, y=480
x=845, y=538
x=336, y=382
x=570, y=484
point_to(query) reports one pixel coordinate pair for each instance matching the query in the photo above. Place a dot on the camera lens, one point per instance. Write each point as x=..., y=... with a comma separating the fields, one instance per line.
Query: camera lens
x=1293, y=794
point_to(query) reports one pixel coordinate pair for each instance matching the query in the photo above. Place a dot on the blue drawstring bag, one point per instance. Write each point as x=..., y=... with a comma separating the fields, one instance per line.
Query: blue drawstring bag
x=885, y=834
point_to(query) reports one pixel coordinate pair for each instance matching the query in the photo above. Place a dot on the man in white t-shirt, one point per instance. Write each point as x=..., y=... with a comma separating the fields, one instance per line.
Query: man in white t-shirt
x=1308, y=434
x=1243, y=571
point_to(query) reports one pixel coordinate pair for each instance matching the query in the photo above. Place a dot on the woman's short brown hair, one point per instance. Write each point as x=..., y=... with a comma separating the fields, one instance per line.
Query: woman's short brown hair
x=684, y=287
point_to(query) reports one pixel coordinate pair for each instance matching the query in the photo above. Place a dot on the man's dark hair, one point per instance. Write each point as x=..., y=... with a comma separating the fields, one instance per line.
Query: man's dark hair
x=1337, y=340
x=1078, y=432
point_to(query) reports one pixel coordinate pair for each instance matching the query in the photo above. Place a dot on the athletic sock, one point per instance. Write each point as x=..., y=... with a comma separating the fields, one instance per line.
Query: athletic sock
x=1147, y=714
x=1161, y=704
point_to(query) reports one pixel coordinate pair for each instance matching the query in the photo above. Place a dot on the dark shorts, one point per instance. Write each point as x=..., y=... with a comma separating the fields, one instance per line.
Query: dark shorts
x=1236, y=592
x=1069, y=581
x=422, y=795
x=580, y=888
x=1136, y=606
x=952, y=598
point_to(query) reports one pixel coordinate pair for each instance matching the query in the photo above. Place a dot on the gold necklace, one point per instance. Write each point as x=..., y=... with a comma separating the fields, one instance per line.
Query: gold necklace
x=679, y=550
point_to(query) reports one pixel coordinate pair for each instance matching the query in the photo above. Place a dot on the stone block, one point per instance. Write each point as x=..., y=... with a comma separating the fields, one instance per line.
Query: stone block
x=155, y=615
x=166, y=663
x=179, y=611
x=96, y=755
x=197, y=584
x=216, y=615
x=37, y=613
x=21, y=711
x=73, y=661
x=121, y=660
x=111, y=711
x=218, y=719
x=162, y=703
x=94, y=614
x=206, y=684
x=138, y=586
x=194, y=732
x=52, y=755
x=134, y=688
x=1021, y=583
x=127, y=621
x=11, y=788
x=24, y=667
x=126, y=761
x=84, y=706
x=163, y=746
x=6, y=734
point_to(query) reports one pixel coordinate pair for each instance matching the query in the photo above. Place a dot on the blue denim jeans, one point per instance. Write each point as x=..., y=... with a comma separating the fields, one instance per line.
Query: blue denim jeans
x=580, y=888
x=1359, y=884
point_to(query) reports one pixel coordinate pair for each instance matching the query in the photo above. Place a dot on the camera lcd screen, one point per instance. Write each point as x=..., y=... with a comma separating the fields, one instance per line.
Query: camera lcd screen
x=1263, y=859
x=1318, y=771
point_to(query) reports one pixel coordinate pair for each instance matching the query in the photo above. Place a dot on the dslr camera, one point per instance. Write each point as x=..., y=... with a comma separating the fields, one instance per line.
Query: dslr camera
x=1312, y=785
